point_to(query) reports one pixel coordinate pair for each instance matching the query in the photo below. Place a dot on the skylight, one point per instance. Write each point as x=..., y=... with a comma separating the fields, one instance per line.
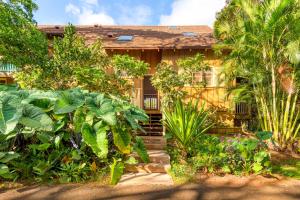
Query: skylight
x=173, y=27
x=125, y=38
x=189, y=34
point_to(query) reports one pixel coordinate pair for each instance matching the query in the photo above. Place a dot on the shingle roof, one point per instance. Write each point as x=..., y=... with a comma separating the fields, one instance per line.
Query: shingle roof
x=144, y=37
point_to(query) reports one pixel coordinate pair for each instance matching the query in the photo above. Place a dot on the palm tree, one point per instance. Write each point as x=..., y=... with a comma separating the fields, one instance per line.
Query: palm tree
x=263, y=39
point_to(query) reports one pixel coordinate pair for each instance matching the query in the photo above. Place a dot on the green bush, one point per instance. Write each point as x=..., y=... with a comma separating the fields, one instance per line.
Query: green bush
x=67, y=136
x=234, y=156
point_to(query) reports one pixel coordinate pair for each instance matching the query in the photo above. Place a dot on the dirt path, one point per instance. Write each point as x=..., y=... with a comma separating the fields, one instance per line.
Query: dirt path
x=228, y=187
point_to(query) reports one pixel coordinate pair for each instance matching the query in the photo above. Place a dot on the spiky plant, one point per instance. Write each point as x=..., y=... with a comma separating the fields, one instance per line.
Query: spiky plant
x=186, y=122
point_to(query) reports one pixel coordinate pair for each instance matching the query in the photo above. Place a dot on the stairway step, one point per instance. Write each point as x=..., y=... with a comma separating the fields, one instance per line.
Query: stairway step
x=154, y=140
x=156, y=156
x=145, y=179
x=154, y=147
x=148, y=168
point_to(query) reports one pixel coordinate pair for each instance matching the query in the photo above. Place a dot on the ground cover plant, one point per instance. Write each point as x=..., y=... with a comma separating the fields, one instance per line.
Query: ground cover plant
x=192, y=150
x=66, y=136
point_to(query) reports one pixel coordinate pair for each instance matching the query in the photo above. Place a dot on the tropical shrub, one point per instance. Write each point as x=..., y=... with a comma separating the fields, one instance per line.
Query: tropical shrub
x=186, y=123
x=170, y=79
x=72, y=63
x=235, y=156
x=262, y=41
x=67, y=135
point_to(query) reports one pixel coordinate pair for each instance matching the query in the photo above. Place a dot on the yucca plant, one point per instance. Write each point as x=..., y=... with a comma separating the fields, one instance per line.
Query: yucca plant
x=186, y=122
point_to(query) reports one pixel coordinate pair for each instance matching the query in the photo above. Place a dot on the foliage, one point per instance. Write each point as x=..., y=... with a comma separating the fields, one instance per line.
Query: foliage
x=170, y=82
x=6, y=157
x=19, y=34
x=186, y=123
x=236, y=156
x=116, y=170
x=289, y=168
x=261, y=43
x=66, y=135
x=73, y=63
x=141, y=150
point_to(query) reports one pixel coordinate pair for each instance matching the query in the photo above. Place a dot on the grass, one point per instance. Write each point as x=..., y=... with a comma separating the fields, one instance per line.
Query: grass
x=289, y=168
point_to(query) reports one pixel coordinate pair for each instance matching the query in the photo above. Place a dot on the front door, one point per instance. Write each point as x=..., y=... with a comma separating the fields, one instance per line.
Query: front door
x=150, y=100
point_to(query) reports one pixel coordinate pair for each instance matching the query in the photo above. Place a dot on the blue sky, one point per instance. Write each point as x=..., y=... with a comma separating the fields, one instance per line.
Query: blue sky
x=128, y=12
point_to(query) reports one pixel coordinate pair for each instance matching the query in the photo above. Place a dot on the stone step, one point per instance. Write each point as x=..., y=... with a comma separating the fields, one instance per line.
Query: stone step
x=145, y=179
x=148, y=168
x=155, y=156
x=154, y=140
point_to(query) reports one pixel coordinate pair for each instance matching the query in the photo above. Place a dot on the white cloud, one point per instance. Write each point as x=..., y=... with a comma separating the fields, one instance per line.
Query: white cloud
x=135, y=15
x=193, y=12
x=91, y=2
x=71, y=8
x=86, y=16
x=89, y=17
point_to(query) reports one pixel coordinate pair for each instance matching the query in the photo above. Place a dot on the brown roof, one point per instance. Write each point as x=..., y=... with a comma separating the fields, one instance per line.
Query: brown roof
x=144, y=37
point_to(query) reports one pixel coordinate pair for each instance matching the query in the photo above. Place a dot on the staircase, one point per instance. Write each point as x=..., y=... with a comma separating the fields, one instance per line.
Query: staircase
x=154, y=127
x=154, y=172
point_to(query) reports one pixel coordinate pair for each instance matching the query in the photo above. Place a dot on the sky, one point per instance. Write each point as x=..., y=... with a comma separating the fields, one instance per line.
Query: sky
x=128, y=12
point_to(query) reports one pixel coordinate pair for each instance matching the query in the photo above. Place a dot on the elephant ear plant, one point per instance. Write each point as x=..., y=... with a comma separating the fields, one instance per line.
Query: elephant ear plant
x=67, y=121
x=186, y=123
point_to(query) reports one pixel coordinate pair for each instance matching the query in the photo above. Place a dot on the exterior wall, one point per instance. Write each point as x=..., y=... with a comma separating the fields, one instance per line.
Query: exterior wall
x=214, y=97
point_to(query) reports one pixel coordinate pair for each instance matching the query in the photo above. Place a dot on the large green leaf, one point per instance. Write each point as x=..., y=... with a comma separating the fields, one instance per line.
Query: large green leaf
x=141, y=150
x=68, y=102
x=122, y=139
x=102, y=108
x=97, y=141
x=78, y=120
x=10, y=112
x=36, y=118
x=5, y=157
x=4, y=172
x=116, y=171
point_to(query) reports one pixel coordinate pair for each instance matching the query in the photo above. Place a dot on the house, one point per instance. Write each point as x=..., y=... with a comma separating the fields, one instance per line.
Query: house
x=155, y=44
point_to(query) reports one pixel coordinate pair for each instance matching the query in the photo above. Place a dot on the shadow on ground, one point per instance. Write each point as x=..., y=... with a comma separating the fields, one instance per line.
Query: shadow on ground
x=228, y=187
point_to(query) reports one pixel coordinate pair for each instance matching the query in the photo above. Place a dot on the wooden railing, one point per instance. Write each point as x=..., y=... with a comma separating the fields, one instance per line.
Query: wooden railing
x=7, y=68
x=151, y=102
x=242, y=109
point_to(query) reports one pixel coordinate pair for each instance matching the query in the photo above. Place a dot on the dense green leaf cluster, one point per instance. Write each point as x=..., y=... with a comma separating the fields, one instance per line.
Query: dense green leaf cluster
x=72, y=63
x=65, y=135
x=260, y=42
x=21, y=43
x=209, y=154
x=170, y=79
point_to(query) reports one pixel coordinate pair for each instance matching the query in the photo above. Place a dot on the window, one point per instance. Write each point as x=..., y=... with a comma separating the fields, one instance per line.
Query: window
x=205, y=77
x=125, y=38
